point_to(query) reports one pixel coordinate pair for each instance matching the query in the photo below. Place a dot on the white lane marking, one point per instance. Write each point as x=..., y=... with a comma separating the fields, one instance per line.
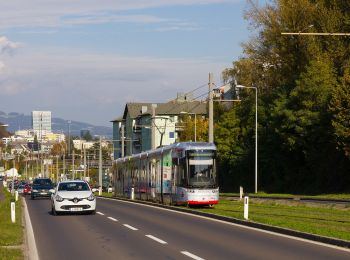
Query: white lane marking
x=100, y=213
x=113, y=219
x=191, y=255
x=156, y=239
x=131, y=227
x=238, y=225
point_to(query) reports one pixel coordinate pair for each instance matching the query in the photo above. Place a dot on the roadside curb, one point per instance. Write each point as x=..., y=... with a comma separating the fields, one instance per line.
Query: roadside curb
x=280, y=230
x=30, y=244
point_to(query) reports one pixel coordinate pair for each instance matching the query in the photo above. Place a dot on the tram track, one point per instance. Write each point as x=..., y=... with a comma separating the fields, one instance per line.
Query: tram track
x=294, y=199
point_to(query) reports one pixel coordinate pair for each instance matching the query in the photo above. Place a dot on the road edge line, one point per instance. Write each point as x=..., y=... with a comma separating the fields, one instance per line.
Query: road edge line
x=335, y=243
x=30, y=239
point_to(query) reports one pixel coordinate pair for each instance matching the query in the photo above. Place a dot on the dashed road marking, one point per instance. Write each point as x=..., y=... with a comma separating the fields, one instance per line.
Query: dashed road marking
x=131, y=227
x=236, y=225
x=100, y=213
x=113, y=219
x=192, y=255
x=156, y=239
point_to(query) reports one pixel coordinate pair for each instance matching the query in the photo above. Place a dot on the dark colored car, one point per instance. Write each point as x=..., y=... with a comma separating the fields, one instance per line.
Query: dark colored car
x=42, y=188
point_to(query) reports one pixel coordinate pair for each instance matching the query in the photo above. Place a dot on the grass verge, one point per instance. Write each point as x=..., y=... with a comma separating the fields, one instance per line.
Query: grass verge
x=105, y=194
x=11, y=254
x=344, y=196
x=11, y=233
x=324, y=220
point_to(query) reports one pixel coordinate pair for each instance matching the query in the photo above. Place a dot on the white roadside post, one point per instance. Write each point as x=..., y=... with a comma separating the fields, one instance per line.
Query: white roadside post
x=100, y=190
x=16, y=195
x=246, y=206
x=13, y=212
x=132, y=193
x=240, y=192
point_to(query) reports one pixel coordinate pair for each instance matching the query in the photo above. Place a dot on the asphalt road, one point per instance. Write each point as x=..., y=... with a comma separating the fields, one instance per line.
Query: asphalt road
x=122, y=230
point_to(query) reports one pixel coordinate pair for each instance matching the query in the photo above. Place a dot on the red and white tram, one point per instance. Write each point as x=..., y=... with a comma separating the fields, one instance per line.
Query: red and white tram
x=181, y=173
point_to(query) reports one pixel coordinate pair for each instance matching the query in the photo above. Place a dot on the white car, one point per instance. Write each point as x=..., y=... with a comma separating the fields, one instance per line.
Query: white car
x=73, y=196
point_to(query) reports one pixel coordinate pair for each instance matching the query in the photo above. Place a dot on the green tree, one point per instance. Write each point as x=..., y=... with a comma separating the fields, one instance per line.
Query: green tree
x=340, y=108
x=303, y=100
x=189, y=127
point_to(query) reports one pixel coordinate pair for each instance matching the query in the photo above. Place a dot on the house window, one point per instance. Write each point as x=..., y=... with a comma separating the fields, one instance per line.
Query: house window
x=171, y=135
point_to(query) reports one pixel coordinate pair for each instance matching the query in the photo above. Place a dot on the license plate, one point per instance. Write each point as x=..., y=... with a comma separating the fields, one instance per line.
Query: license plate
x=43, y=193
x=76, y=209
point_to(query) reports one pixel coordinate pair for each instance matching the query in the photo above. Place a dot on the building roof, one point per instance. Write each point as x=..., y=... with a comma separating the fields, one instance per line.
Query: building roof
x=135, y=109
x=175, y=108
x=117, y=119
x=170, y=108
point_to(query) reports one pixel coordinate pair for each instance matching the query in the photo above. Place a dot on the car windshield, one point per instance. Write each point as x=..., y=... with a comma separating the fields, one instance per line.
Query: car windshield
x=73, y=186
x=201, y=170
x=43, y=182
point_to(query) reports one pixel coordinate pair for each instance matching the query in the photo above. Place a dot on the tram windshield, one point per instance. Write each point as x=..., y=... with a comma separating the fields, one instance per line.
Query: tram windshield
x=201, y=169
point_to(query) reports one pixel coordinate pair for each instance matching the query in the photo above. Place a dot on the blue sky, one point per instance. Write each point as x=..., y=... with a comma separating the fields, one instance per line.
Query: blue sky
x=85, y=59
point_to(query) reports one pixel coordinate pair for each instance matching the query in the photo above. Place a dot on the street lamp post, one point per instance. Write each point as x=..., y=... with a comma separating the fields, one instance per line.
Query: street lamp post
x=69, y=122
x=256, y=134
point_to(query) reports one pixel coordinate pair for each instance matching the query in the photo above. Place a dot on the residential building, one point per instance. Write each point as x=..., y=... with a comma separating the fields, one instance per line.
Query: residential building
x=137, y=120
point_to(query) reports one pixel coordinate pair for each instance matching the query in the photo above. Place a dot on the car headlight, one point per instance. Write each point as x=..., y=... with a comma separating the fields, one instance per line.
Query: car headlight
x=91, y=197
x=58, y=198
x=35, y=191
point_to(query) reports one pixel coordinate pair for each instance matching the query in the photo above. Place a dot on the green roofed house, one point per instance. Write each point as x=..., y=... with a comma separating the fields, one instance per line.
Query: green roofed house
x=136, y=124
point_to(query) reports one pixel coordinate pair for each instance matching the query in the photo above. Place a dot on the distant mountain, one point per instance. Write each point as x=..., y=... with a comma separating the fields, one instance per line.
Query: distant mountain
x=17, y=121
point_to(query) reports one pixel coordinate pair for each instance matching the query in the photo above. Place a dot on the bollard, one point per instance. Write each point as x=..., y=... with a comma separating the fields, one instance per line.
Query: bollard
x=16, y=195
x=99, y=191
x=246, y=206
x=13, y=212
x=132, y=193
x=240, y=192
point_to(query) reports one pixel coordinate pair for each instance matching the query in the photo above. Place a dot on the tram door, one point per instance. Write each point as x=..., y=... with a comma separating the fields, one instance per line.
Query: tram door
x=153, y=179
x=158, y=173
x=174, y=172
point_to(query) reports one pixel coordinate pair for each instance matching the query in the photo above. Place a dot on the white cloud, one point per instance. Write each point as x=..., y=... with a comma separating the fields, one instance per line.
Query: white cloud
x=2, y=66
x=54, y=13
x=175, y=28
x=7, y=46
x=71, y=82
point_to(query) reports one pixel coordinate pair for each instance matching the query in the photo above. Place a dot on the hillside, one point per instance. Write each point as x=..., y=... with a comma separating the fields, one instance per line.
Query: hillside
x=18, y=121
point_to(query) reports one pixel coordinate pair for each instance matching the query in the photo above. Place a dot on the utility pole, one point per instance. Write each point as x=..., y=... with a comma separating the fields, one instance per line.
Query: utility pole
x=64, y=162
x=123, y=140
x=100, y=167
x=73, y=170
x=13, y=176
x=84, y=163
x=153, y=126
x=26, y=172
x=57, y=171
x=211, y=109
x=69, y=137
